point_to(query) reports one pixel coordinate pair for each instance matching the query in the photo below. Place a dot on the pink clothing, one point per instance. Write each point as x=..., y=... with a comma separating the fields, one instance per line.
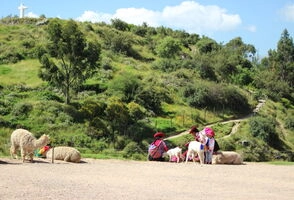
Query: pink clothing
x=211, y=143
x=163, y=145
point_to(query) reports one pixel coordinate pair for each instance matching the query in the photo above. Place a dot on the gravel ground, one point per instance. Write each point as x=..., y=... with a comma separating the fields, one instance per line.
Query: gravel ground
x=140, y=180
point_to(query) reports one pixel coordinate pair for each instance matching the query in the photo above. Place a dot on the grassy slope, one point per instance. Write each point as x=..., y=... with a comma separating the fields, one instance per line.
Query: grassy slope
x=180, y=115
x=24, y=72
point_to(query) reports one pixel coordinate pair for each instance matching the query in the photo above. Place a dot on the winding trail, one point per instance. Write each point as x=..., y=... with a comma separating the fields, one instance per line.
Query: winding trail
x=235, y=121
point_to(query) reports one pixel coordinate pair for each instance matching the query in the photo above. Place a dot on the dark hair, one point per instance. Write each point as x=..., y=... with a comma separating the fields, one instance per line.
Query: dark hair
x=194, y=129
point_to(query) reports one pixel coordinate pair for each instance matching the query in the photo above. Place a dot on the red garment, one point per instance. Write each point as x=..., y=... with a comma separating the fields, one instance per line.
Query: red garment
x=157, y=142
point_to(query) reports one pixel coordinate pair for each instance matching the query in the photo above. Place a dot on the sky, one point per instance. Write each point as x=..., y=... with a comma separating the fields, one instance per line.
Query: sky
x=258, y=22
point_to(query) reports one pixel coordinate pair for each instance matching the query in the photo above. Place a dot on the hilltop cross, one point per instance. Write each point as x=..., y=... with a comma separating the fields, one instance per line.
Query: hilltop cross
x=21, y=9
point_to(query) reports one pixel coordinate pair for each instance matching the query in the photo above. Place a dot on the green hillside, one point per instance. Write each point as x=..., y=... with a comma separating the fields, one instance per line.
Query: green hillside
x=126, y=82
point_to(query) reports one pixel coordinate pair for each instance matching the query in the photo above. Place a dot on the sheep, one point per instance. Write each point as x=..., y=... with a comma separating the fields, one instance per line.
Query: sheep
x=175, y=152
x=227, y=157
x=68, y=154
x=25, y=140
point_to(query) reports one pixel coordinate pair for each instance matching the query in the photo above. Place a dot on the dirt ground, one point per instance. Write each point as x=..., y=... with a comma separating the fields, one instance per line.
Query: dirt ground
x=140, y=180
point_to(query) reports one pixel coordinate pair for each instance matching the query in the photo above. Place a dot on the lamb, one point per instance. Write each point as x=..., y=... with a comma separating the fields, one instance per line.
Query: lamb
x=227, y=157
x=25, y=140
x=195, y=147
x=68, y=154
x=175, y=152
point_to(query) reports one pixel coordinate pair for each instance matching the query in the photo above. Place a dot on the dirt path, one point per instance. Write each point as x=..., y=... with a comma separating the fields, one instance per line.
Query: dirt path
x=140, y=180
x=236, y=121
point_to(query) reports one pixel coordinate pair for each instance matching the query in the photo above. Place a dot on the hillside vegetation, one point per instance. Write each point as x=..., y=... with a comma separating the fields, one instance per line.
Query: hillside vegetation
x=107, y=88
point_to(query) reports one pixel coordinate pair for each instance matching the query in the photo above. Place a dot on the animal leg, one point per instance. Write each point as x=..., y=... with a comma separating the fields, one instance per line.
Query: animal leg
x=193, y=157
x=201, y=157
x=67, y=158
x=13, y=152
x=31, y=157
x=23, y=154
x=187, y=155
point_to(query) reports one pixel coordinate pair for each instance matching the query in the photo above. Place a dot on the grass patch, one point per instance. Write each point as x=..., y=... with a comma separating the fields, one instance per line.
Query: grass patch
x=22, y=72
x=280, y=163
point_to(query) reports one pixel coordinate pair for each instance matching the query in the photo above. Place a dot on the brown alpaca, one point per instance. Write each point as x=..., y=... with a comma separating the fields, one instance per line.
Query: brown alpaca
x=27, y=143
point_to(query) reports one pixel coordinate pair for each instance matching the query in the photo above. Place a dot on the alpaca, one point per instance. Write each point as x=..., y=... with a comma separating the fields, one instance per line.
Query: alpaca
x=68, y=154
x=227, y=157
x=195, y=147
x=175, y=152
x=25, y=140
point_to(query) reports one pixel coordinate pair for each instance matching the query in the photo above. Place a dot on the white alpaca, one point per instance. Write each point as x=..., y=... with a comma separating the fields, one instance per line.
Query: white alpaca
x=195, y=148
x=227, y=157
x=177, y=152
x=68, y=154
x=25, y=140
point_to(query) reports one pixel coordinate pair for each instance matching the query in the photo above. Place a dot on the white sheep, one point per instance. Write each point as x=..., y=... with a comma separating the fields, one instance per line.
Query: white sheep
x=25, y=140
x=227, y=157
x=175, y=152
x=68, y=154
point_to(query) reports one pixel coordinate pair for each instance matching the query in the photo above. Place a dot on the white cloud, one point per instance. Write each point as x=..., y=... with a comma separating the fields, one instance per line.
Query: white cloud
x=92, y=16
x=189, y=16
x=192, y=16
x=288, y=12
x=32, y=15
x=138, y=16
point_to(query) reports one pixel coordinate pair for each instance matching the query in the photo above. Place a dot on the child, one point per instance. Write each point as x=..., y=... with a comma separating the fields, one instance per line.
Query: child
x=210, y=142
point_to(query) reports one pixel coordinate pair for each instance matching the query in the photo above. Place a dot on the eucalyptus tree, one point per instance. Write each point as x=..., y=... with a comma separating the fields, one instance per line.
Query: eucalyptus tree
x=68, y=60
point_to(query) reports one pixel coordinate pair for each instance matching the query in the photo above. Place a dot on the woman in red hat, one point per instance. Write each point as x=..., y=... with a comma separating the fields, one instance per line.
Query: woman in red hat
x=157, y=148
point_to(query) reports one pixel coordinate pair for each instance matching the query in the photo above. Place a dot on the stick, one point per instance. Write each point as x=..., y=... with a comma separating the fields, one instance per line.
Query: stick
x=52, y=159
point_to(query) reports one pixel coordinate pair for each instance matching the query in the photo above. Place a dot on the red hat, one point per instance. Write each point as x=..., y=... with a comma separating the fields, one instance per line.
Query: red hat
x=193, y=129
x=158, y=134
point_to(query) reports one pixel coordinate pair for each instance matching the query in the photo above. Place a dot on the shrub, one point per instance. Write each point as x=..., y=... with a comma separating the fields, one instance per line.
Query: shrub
x=289, y=122
x=132, y=150
x=264, y=128
x=22, y=109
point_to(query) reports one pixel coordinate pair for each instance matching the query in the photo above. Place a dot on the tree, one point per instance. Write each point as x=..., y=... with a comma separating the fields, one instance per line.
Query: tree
x=168, y=47
x=282, y=60
x=68, y=59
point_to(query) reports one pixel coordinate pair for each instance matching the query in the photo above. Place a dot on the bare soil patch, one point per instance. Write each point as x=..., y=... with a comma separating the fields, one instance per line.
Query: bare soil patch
x=140, y=180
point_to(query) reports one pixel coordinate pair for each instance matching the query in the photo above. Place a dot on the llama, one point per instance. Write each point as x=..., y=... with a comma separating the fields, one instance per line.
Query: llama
x=227, y=157
x=27, y=143
x=68, y=154
x=195, y=147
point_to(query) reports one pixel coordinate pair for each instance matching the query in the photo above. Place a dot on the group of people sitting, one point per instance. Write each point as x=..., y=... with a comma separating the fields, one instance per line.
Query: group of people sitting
x=206, y=137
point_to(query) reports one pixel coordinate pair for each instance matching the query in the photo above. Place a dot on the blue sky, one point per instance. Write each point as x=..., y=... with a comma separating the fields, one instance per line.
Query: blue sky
x=257, y=22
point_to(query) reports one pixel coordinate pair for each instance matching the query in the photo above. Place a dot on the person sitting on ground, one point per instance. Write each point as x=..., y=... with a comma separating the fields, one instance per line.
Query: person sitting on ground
x=157, y=148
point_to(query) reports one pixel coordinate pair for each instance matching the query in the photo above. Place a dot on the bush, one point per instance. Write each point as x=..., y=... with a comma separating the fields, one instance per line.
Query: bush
x=132, y=150
x=22, y=109
x=257, y=153
x=226, y=144
x=289, y=122
x=216, y=96
x=264, y=128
